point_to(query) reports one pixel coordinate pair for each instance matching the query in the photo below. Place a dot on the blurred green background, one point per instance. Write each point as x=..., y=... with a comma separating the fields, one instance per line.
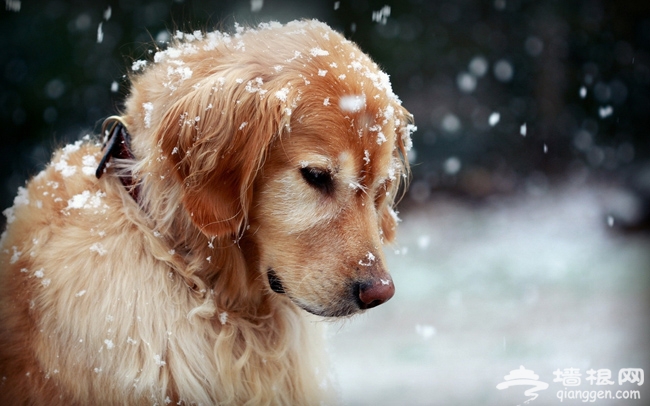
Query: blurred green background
x=575, y=73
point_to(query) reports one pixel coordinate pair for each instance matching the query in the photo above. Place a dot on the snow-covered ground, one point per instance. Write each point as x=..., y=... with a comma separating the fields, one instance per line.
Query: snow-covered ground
x=539, y=281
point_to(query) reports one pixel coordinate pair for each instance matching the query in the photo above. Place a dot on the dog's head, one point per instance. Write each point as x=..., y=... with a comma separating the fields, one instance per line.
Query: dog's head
x=291, y=138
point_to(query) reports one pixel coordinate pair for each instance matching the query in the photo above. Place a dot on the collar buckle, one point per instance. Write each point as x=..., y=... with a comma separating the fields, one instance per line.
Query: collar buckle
x=117, y=144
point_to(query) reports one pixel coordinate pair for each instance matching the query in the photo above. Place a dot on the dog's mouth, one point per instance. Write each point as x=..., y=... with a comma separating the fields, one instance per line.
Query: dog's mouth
x=275, y=282
x=340, y=311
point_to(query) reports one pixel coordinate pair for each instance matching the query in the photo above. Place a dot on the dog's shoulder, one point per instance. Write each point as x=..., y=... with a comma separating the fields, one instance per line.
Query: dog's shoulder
x=62, y=213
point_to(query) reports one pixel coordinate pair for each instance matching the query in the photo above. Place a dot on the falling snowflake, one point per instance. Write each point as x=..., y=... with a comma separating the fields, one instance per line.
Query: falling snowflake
x=494, y=119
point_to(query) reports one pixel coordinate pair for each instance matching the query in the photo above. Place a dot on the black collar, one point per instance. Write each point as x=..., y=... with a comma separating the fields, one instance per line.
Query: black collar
x=118, y=145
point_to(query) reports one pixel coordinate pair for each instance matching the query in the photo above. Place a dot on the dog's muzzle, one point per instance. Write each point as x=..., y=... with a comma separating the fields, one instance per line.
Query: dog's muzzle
x=363, y=295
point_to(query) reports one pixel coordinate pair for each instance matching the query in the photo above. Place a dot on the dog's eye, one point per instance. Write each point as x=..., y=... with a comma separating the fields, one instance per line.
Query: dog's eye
x=319, y=179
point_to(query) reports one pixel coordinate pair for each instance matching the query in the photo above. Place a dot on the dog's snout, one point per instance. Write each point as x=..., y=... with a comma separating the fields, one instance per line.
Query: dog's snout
x=375, y=292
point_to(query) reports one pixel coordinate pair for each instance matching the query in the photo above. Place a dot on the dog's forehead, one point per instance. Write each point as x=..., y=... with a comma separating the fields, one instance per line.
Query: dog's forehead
x=339, y=105
x=354, y=146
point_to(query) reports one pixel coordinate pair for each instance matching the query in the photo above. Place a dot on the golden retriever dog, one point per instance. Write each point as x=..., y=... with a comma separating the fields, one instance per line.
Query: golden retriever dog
x=247, y=185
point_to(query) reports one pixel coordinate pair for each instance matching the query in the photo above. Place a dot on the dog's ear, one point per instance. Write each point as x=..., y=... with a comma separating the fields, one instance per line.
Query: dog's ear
x=217, y=138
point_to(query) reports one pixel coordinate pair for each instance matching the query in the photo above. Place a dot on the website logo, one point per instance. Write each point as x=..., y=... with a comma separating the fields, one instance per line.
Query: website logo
x=524, y=377
x=571, y=385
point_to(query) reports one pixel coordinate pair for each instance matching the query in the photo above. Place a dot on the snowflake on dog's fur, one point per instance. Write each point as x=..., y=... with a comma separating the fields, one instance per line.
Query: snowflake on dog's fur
x=371, y=259
x=366, y=157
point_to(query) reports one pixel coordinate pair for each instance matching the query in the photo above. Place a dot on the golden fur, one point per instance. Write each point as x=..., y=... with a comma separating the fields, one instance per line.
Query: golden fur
x=272, y=154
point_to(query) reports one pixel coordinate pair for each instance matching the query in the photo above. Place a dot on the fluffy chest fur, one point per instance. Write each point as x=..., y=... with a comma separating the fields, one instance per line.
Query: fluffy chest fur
x=113, y=320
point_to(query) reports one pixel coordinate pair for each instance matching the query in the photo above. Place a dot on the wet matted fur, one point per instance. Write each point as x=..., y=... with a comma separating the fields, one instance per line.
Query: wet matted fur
x=268, y=161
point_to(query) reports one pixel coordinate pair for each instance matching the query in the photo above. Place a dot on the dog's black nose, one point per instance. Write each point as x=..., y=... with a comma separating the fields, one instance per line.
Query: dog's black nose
x=375, y=292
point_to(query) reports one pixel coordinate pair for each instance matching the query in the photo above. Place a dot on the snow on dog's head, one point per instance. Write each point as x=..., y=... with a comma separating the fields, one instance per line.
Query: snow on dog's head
x=260, y=134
